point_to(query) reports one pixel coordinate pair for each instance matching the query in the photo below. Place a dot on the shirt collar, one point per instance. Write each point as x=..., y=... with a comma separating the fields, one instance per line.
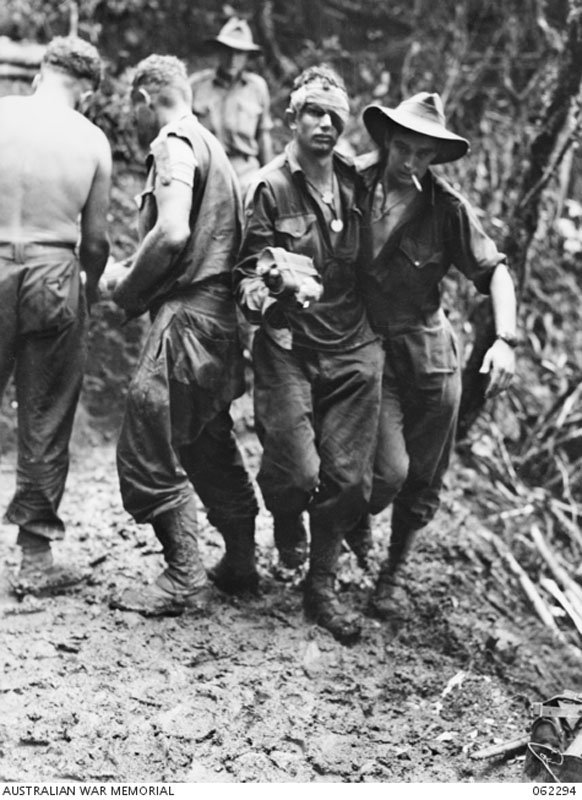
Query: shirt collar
x=295, y=166
x=224, y=81
x=346, y=187
x=291, y=159
x=370, y=168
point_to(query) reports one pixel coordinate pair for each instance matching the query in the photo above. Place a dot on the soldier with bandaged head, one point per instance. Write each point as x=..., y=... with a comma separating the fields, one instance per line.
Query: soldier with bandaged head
x=317, y=362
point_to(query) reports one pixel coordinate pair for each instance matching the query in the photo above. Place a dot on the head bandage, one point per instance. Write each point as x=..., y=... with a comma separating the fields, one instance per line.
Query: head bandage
x=322, y=93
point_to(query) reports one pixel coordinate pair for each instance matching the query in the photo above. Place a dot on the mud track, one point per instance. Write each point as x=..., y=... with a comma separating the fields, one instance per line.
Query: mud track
x=252, y=692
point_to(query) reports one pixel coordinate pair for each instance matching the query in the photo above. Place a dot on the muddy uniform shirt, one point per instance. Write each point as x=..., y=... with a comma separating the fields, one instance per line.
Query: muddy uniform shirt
x=421, y=387
x=439, y=230
x=317, y=370
x=282, y=213
x=185, y=151
x=177, y=430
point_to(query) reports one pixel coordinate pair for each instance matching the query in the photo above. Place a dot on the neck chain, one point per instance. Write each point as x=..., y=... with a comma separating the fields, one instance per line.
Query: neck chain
x=327, y=197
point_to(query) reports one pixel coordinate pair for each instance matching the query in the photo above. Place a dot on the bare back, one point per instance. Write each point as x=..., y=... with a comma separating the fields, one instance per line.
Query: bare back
x=52, y=163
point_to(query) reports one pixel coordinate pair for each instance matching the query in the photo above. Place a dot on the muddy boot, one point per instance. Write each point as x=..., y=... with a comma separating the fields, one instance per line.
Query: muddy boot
x=320, y=600
x=360, y=541
x=389, y=601
x=38, y=574
x=183, y=585
x=236, y=572
x=290, y=540
x=322, y=606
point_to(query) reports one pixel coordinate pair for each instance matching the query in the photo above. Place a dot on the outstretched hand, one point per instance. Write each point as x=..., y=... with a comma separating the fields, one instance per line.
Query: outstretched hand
x=499, y=364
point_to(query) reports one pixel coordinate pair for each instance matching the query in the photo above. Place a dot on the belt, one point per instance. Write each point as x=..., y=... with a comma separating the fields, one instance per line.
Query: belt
x=16, y=251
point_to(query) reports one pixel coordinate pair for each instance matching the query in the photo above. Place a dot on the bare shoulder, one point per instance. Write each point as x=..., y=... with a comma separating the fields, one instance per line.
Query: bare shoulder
x=94, y=136
x=11, y=99
x=15, y=105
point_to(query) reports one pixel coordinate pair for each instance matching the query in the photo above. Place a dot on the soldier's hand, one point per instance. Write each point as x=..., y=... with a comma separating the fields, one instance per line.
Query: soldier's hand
x=291, y=288
x=309, y=291
x=114, y=273
x=127, y=300
x=499, y=364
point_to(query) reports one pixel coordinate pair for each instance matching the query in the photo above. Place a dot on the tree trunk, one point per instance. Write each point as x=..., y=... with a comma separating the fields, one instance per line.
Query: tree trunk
x=279, y=64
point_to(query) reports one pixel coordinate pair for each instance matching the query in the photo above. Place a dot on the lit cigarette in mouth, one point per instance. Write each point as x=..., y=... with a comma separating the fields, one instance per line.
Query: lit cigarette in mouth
x=416, y=182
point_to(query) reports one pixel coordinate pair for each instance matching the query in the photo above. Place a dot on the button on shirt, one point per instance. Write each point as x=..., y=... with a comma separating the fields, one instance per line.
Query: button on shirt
x=403, y=272
x=283, y=213
x=236, y=113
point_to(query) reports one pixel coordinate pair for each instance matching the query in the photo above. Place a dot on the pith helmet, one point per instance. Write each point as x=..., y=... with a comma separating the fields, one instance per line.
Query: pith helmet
x=421, y=113
x=237, y=35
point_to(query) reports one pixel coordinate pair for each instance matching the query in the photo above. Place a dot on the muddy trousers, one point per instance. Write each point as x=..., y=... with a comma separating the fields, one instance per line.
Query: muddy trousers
x=42, y=342
x=215, y=468
x=211, y=465
x=177, y=433
x=416, y=436
x=316, y=415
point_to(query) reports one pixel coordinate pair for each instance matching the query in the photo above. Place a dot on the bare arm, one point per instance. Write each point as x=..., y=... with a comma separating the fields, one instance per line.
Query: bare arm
x=94, y=244
x=499, y=360
x=159, y=247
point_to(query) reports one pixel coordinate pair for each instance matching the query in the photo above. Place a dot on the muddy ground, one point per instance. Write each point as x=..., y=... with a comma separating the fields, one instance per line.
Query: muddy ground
x=252, y=692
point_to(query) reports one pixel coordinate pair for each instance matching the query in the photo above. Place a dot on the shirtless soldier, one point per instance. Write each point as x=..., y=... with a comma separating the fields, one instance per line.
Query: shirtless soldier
x=55, y=169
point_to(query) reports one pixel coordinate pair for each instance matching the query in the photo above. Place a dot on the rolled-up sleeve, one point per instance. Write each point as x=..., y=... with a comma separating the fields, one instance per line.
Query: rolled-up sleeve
x=473, y=252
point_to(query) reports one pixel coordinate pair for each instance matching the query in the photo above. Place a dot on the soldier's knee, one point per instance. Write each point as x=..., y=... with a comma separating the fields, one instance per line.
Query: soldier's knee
x=387, y=485
x=288, y=493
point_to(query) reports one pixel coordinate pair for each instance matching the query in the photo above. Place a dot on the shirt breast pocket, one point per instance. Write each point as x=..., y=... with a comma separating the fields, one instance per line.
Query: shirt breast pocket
x=296, y=234
x=247, y=118
x=421, y=254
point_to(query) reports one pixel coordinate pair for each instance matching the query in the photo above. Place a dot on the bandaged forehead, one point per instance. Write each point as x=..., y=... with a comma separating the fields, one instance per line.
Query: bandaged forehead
x=321, y=93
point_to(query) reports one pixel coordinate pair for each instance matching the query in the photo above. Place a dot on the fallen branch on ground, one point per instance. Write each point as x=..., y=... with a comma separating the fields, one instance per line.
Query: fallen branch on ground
x=503, y=749
x=573, y=591
x=553, y=588
x=525, y=582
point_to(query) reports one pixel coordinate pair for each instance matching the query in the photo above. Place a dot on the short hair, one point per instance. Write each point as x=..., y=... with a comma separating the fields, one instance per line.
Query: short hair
x=76, y=57
x=319, y=72
x=160, y=72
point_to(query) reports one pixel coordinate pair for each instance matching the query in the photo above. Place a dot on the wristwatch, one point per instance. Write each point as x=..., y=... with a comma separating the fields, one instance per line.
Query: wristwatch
x=509, y=338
